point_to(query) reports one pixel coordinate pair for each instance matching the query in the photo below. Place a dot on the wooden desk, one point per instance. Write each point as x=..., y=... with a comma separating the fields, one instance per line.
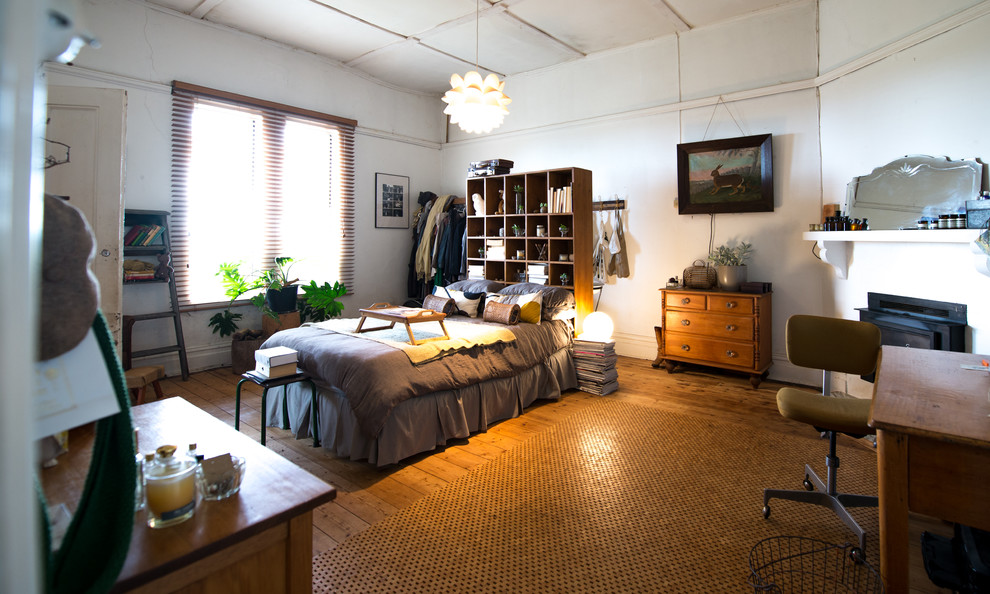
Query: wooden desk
x=260, y=540
x=933, y=438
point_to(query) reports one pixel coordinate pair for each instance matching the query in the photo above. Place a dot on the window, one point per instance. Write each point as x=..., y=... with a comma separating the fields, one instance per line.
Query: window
x=252, y=181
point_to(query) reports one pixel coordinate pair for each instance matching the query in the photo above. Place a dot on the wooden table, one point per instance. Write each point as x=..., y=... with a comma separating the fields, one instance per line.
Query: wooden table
x=403, y=315
x=933, y=437
x=260, y=540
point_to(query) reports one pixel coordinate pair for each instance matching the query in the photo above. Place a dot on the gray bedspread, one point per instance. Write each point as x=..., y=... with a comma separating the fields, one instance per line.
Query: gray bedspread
x=375, y=377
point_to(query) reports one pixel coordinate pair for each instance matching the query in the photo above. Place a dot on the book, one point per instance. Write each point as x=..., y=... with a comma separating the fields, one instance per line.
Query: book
x=132, y=234
x=276, y=371
x=275, y=356
x=152, y=235
x=537, y=269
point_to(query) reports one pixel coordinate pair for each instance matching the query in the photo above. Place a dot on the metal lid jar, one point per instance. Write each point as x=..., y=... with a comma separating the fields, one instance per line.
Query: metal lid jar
x=170, y=487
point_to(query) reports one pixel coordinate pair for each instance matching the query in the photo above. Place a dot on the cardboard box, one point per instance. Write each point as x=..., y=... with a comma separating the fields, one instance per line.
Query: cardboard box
x=276, y=356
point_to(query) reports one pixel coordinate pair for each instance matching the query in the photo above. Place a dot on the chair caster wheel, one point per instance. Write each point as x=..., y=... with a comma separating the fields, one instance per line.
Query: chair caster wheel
x=766, y=512
x=807, y=485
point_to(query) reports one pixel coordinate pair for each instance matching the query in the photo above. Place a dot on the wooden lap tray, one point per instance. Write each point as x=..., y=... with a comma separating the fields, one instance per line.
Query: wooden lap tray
x=404, y=315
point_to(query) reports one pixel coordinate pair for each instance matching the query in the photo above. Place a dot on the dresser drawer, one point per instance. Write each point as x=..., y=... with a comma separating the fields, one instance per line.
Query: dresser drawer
x=733, y=304
x=685, y=300
x=700, y=348
x=706, y=324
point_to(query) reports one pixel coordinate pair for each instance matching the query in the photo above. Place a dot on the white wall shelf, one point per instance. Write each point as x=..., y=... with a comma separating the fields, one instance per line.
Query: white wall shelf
x=833, y=245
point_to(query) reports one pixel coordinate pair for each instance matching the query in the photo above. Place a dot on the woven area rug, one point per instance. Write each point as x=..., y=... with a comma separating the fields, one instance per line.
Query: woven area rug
x=617, y=498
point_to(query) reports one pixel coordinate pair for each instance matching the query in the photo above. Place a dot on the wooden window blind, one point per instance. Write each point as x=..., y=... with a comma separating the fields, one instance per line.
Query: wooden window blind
x=253, y=180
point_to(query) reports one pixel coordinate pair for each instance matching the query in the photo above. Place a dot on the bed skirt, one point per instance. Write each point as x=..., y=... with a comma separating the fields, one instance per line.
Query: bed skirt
x=421, y=424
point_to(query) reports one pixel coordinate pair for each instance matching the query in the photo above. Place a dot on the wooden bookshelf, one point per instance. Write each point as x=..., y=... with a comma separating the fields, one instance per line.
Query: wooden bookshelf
x=567, y=193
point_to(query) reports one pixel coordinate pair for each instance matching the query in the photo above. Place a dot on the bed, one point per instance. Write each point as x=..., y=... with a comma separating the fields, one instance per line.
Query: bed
x=374, y=403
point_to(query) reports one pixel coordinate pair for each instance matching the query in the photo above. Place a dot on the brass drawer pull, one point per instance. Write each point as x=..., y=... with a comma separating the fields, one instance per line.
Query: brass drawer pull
x=685, y=301
x=731, y=327
x=685, y=322
x=731, y=354
x=685, y=347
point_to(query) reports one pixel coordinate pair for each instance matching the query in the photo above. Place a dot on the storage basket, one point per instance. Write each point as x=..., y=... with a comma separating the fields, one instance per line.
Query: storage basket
x=783, y=564
x=699, y=276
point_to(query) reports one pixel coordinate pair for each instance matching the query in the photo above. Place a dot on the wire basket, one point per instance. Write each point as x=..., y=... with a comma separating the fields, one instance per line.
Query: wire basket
x=783, y=564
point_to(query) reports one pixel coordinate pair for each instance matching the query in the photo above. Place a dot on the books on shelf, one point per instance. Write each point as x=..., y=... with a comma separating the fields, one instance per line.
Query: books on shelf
x=142, y=235
x=560, y=199
x=539, y=279
x=476, y=271
x=537, y=269
x=594, y=363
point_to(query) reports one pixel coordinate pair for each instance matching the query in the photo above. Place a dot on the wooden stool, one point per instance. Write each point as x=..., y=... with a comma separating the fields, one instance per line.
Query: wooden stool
x=138, y=379
x=273, y=383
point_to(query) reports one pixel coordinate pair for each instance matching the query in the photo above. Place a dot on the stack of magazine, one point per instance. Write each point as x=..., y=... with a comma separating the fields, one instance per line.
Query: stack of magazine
x=595, y=364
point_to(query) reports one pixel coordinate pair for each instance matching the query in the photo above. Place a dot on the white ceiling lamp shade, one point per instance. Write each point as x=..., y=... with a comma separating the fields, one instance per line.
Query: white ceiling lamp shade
x=476, y=105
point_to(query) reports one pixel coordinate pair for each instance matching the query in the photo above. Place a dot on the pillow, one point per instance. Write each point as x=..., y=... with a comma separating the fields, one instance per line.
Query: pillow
x=529, y=304
x=558, y=302
x=444, y=305
x=502, y=313
x=476, y=286
x=466, y=303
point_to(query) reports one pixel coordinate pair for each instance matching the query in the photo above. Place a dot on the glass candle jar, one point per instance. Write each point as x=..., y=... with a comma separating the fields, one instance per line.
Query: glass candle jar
x=169, y=488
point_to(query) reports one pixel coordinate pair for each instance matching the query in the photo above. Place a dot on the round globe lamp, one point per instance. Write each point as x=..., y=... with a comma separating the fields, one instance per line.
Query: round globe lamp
x=597, y=326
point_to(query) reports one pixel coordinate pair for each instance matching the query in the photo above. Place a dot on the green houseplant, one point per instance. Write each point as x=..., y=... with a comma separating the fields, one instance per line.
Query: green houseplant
x=277, y=293
x=519, y=199
x=730, y=264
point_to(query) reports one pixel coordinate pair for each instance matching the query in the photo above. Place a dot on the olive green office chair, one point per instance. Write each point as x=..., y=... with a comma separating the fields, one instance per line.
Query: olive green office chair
x=828, y=344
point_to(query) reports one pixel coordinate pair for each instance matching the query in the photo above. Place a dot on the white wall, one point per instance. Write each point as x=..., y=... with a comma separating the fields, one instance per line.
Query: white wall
x=889, y=82
x=621, y=114
x=628, y=140
x=926, y=99
x=144, y=49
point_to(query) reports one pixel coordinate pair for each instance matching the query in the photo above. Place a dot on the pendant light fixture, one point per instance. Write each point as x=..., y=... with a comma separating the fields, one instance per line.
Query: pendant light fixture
x=476, y=105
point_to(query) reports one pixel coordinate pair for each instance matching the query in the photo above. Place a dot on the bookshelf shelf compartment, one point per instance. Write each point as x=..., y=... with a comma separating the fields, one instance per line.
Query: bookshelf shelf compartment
x=567, y=193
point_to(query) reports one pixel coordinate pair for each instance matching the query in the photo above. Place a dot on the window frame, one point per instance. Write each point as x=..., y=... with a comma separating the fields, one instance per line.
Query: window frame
x=184, y=98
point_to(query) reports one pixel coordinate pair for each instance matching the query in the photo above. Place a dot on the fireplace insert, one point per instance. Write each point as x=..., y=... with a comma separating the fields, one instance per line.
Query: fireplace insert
x=916, y=323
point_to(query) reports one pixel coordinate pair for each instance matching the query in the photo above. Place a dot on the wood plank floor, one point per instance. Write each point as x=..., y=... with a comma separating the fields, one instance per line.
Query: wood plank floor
x=366, y=495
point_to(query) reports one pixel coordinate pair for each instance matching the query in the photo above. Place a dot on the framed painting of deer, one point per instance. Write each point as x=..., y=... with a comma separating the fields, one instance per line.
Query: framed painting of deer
x=725, y=175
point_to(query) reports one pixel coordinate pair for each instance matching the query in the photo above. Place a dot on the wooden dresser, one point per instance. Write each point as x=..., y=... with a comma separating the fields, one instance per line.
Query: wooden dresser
x=728, y=330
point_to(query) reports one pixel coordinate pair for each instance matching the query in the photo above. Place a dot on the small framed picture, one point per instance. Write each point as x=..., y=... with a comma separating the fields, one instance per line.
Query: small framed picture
x=391, y=201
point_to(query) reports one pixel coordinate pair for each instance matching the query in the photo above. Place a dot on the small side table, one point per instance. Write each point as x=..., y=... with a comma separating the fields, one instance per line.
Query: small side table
x=266, y=384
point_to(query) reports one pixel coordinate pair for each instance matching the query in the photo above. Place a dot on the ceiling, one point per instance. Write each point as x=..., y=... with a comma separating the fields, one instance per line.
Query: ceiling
x=418, y=44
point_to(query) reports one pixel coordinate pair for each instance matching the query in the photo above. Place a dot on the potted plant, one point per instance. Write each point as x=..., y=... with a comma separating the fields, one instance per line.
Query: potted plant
x=517, y=230
x=543, y=206
x=519, y=199
x=563, y=230
x=319, y=302
x=730, y=264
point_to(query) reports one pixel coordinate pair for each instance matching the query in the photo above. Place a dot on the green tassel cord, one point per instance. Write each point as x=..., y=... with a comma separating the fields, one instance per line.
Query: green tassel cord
x=95, y=545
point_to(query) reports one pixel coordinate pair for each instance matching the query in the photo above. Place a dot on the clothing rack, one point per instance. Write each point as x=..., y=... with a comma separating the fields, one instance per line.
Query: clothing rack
x=608, y=205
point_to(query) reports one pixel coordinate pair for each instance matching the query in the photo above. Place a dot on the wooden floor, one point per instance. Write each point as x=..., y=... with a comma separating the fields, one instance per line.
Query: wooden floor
x=366, y=495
